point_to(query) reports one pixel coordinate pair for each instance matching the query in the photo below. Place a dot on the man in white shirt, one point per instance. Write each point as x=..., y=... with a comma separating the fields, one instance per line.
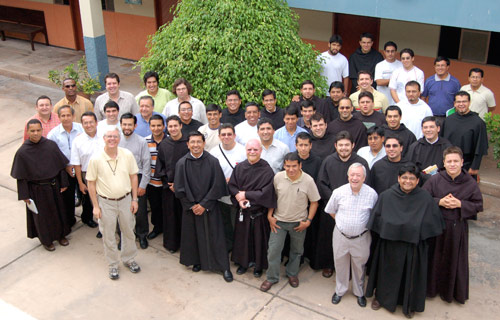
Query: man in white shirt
x=384, y=70
x=414, y=109
x=401, y=76
x=482, y=99
x=248, y=129
x=375, y=150
x=124, y=99
x=111, y=112
x=273, y=150
x=335, y=64
x=211, y=130
x=182, y=88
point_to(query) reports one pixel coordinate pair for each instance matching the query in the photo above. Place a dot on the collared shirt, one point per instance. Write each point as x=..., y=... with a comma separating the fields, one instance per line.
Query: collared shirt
x=126, y=102
x=211, y=136
x=480, y=99
x=275, y=154
x=380, y=102
x=441, y=93
x=294, y=196
x=199, y=110
x=63, y=139
x=245, y=132
x=162, y=97
x=153, y=152
x=139, y=148
x=80, y=105
x=103, y=125
x=351, y=210
x=367, y=154
x=112, y=176
x=83, y=148
x=46, y=126
x=284, y=136
x=142, y=128
x=383, y=71
x=413, y=114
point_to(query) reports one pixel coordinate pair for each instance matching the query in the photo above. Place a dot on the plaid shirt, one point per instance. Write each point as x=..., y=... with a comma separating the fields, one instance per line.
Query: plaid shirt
x=46, y=126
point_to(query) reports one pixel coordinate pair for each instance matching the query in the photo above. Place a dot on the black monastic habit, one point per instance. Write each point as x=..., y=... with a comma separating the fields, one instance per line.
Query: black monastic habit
x=359, y=61
x=354, y=126
x=192, y=126
x=384, y=173
x=39, y=171
x=469, y=133
x=251, y=230
x=311, y=165
x=201, y=181
x=334, y=109
x=403, y=133
x=424, y=154
x=403, y=223
x=276, y=117
x=320, y=105
x=375, y=119
x=233, y=118
x=324, y=146
x=449, y=260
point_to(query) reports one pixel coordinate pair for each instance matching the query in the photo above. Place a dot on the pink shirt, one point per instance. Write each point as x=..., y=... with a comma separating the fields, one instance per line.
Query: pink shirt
x=46, y=126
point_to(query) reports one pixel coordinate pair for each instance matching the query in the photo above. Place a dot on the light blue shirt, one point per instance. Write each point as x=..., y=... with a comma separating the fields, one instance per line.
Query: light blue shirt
x=143, y=125
x=282, y=135
x=63, y=139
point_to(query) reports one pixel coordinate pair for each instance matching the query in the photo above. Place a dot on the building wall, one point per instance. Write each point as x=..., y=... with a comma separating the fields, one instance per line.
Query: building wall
x=314, y=25
x=147, y=9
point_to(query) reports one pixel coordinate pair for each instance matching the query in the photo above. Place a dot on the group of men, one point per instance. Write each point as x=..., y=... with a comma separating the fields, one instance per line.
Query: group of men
x=328, y=182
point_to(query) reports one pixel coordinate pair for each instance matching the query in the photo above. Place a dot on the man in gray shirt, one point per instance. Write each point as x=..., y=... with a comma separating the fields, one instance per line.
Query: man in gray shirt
x=139, y=148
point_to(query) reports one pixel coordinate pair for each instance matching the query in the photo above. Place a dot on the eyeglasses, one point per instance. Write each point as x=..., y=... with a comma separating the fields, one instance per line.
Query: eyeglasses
x=226, y=134
x=411, y=178
x=70, y=86
x=392, y=145
x=186, y=110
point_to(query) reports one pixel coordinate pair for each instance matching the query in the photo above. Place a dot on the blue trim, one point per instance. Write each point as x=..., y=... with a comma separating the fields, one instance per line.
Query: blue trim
x=469, y=14
x=97, y=57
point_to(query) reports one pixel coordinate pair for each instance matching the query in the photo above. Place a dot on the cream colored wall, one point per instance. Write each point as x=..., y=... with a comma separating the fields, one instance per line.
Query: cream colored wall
x=314, y=25
x=147, y=9
x=423, y=39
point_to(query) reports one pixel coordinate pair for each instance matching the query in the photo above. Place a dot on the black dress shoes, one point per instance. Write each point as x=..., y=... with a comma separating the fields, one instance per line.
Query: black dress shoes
x=228, y=276
x=362, y=301
x=257, y=273
x=91, y=224
x=98, y=235
x=153, y=234
x=197, y=268
x=336, y=298
x=143, y=242
x=241, y=270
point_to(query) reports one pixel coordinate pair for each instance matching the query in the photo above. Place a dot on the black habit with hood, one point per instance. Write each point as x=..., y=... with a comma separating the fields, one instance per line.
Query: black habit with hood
x=324, y=146
x=39, y=171
x=403, y=133
x=424, y=154
x=449, y=257
x=354, y=126
x=251, y=234
x=320, y=105
x=384, y=173
x=403, y=222
x=201, y=181
x=359, y=61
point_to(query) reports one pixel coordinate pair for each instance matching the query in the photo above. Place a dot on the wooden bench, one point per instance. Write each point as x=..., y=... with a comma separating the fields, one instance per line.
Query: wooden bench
x=24, y=21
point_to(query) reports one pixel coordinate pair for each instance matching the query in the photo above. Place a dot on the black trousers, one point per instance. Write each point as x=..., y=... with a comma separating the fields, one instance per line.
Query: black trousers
x=69, y=200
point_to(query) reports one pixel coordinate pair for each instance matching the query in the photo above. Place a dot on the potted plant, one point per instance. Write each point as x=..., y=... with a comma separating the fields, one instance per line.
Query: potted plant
x=85, y=84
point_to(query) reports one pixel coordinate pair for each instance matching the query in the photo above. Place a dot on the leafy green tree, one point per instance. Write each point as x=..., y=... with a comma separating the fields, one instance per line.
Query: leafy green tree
x=219, y=45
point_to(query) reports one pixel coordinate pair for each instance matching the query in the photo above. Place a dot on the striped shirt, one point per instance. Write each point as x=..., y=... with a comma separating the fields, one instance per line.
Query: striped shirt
x=153, y=150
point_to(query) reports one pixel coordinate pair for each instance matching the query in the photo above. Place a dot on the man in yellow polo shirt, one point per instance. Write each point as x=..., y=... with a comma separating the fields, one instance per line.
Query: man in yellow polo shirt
x=112, y=178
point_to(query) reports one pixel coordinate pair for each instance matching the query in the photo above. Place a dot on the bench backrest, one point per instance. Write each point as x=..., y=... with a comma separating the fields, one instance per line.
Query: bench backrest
x=21, y=15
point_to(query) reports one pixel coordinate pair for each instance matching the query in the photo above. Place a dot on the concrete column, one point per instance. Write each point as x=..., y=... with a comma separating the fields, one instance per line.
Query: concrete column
x=94, y=38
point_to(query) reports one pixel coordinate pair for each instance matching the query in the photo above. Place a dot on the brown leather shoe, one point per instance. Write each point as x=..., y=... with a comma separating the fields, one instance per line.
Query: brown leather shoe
x=293, y=281
x=49, y=248
x=327, y=273
x=375, y=304
x=63, y=242
x=265, y=286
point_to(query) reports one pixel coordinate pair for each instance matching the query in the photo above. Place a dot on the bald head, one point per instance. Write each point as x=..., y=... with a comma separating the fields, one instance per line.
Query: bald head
x=253, y=149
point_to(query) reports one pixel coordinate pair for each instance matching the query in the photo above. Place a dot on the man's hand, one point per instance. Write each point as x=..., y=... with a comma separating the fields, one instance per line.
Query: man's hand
x=198, y=209
x=450, y=202
x=302, y=226
x=273, y=222
x=473, y=172
x=243, y=203
x=64, y=189
x=27, y=201
x=141, y=192
x=83, y=188
x=171, y=186
x=134, y=206
x=296, y=98
x=240, y=196
x=69, y=170
x=97, y=212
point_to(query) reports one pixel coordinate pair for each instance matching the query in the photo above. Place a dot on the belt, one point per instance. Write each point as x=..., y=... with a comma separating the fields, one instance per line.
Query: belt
x=44, y=182
x=352, y=237
x=115, y=199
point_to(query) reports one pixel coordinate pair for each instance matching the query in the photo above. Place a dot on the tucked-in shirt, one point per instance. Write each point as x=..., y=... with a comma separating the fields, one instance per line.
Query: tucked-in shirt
x=142, y=128
x=245, y=132
x=126, y=102
x=63, y=138
x=275, y=154
x=211, y=136
x=400, y=78
x=199, y=110
x=112, y=176
x=480, y=99
x=80, y=105
x=351, y=210
x=46, y=126
x=380, y=102
x=441, y=93
x=162, y=97
x=367, y=154
x=289, y=139
x=83, y=148
x=383, y=71
x=139, y=148
x=335, y=67
x=413, y=114
x=294, y=196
